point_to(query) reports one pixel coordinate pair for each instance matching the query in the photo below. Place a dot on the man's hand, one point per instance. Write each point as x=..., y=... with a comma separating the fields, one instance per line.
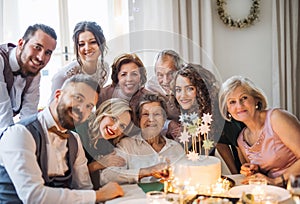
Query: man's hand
x=109, y=191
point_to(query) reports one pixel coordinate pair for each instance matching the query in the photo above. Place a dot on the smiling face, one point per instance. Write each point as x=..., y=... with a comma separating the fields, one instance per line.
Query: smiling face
x=75, y=104
x=33, y=55
x=129, y=78
x=164, y=71
x=88, y=49
x=185, y=92
x=241, y=105
x=151, y=119
x=114, y=126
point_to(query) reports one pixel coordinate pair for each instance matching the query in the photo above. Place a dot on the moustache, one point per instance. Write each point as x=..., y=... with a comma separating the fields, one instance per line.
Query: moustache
x=77, y=112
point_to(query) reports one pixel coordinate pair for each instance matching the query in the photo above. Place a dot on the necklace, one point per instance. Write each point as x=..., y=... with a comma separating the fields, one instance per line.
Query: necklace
x=252, y=17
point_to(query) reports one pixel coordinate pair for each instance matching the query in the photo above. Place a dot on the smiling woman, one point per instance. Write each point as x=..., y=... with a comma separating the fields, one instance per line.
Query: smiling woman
x=266, y=151
x=89, y=47
x=102, y=132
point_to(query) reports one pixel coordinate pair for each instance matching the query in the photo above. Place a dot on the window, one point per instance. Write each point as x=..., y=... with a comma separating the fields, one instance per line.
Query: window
x=62, y=15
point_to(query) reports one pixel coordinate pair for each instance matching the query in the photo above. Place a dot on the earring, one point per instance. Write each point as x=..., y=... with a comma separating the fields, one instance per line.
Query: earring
x=229, y=116
x=256, y=107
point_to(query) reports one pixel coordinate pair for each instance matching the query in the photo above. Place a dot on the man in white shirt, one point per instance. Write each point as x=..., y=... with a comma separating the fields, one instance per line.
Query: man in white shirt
x=59, y=177
x=20, y=72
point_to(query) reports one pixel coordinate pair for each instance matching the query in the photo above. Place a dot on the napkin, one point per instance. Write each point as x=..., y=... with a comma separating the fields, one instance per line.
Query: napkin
x=155, y=186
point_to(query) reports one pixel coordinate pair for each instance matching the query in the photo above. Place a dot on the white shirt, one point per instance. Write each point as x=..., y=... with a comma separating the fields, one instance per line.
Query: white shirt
x=74, y=68
x=17, y=155
x=139, y=154
x=12, y=101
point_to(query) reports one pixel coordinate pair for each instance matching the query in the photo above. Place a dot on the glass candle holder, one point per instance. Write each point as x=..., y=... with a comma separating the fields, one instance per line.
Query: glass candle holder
x=155, y=197
x=258, y=190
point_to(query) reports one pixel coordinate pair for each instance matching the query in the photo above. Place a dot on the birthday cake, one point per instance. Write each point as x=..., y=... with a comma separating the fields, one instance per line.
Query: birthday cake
x=199, y=173
x=195, y=168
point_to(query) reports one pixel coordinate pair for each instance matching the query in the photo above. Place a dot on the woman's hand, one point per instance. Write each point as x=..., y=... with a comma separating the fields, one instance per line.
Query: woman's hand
x=108, y=160
x=248, y=169
x=112, y=160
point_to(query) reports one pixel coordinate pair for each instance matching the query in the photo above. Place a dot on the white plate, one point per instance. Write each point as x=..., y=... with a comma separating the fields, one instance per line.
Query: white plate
x=282, y=193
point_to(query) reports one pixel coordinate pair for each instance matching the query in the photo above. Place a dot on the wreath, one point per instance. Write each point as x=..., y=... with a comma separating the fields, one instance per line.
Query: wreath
x=252, y=17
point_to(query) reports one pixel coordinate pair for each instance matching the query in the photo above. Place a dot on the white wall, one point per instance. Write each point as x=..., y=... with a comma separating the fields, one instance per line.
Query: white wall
x=247, y=51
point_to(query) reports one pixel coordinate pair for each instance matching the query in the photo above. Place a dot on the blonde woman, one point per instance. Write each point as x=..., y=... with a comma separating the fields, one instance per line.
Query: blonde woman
x=104, y=130
x=270, y=141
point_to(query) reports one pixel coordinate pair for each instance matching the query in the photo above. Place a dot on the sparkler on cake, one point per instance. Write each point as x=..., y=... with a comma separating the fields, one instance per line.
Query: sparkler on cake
x=193, y=128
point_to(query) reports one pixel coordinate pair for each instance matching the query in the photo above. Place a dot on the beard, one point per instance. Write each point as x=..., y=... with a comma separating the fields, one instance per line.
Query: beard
x=24, y=68
x=64, y=116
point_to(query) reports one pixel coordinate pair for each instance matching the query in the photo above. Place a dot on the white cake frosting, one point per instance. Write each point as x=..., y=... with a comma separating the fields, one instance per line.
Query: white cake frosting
x=203, y=172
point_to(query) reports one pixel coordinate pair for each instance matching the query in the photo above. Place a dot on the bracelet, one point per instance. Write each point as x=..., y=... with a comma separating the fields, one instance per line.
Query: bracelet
x=283, y=181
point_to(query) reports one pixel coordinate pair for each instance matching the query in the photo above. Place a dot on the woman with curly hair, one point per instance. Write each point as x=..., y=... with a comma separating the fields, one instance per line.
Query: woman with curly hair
x=105, y=128
x=196, y=91
x=89, y=48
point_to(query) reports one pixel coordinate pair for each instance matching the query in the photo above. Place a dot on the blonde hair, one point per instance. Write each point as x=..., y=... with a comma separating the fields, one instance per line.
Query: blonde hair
x=238, y=81
x=111, y=108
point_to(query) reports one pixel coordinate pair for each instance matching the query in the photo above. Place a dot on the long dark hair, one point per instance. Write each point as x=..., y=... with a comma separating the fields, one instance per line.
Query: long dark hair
x=97, y=31
x=195, y=73
x=207, y=90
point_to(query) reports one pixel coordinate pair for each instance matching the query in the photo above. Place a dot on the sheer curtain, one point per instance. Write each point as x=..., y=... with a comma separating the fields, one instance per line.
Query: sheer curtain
x=182, y=25
x=193, y=19
x=286, y=52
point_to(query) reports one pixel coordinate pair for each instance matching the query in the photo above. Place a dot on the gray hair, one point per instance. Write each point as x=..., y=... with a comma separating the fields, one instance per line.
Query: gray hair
x=162, y=56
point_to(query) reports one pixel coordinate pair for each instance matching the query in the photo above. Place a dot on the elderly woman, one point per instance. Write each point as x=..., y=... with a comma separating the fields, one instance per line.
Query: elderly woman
x=142, y=152
x=105, y=128
x=270, y=141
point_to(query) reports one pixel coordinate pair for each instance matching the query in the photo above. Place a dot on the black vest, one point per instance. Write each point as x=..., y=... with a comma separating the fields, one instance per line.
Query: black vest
x=8, y=192
x=7, y=72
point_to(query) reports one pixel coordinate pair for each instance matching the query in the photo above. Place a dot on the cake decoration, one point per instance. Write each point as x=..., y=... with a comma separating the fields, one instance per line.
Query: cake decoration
x=195, y=127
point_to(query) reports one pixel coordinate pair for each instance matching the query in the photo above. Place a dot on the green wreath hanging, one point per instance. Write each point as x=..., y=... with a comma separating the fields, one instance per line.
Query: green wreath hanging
x=252, y=17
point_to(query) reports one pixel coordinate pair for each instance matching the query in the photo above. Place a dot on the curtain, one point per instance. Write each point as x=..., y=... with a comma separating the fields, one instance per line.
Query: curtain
x=182, y=25
x=193, y=20
x=285, y=56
